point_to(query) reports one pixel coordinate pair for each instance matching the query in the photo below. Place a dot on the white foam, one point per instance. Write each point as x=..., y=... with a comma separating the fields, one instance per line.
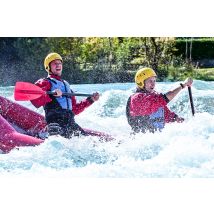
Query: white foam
x=180, y=150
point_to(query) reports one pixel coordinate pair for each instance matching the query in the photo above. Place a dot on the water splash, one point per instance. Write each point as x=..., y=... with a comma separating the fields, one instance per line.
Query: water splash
x=180, y=150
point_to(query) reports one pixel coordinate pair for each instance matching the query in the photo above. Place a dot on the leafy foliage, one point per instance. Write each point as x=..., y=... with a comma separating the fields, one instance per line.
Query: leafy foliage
x=93, y=59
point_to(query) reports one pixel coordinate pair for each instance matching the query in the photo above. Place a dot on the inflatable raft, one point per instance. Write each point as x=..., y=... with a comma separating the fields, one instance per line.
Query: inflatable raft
x=21, y=126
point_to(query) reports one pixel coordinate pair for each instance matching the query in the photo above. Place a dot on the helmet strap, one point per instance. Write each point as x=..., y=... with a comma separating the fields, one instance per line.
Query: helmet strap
x=49, y=71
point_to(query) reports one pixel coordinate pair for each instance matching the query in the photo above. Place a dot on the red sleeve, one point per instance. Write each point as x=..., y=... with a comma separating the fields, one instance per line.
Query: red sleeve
x=80, y=107
x=41, y=101
x=146, y=104
x=169, y=116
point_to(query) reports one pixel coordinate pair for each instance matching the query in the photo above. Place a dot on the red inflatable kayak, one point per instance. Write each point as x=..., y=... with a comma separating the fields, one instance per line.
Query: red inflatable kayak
x=21, y=126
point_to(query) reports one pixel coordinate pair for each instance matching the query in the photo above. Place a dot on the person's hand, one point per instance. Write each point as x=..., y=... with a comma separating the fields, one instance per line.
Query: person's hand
x=179, y=119
x=188, y=82
x=95, y=96
x=58, y=93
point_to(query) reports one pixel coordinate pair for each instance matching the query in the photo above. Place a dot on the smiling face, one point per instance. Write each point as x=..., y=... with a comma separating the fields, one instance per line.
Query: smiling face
x=149, y=84
x=56, y=67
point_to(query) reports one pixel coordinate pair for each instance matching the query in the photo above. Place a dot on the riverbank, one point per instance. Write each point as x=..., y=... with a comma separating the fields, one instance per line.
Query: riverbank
x=176, y=74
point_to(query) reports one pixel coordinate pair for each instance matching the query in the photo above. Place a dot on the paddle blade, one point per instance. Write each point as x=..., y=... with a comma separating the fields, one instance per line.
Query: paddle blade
x=27, y=91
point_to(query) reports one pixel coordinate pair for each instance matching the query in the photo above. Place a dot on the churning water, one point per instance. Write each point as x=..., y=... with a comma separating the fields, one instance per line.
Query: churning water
x=180, y=150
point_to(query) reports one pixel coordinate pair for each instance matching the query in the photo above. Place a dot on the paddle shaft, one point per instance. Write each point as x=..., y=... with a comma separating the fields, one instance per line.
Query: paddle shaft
x=191, y=100
x=69, y=94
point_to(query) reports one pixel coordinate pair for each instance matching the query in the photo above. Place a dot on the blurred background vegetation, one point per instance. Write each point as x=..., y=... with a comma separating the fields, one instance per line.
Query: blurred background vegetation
x=107, y=59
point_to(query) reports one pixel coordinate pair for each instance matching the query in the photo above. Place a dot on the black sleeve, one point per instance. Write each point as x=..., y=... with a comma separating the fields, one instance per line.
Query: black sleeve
x=165, y=97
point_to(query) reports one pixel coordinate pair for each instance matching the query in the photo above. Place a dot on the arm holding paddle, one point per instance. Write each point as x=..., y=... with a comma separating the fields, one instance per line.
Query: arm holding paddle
x=46, y=96
x=39, y=92
x=95, y=96
x=171, y=94
x=80, y=106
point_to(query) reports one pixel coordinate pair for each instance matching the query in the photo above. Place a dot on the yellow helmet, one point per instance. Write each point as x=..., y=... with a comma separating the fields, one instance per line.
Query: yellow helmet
x=143, y=74
x=49, y=58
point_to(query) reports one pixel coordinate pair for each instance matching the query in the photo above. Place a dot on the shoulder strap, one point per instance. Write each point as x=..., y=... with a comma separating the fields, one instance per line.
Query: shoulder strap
x=50, y=79
x=66, y=84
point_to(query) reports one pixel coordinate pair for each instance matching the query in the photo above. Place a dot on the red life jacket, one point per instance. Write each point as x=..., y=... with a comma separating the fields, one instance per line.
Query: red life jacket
x=148, y=111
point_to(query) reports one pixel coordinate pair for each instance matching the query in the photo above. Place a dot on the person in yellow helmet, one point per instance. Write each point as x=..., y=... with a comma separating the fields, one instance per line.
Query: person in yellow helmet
x=146, y=109
x=60, y=110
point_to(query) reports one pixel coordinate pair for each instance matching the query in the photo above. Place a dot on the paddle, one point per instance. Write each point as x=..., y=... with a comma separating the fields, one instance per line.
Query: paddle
x=27, y=91
x=191, y=100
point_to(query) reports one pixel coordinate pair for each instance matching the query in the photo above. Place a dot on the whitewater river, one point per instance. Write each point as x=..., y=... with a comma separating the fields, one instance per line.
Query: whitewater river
x=180, y=151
